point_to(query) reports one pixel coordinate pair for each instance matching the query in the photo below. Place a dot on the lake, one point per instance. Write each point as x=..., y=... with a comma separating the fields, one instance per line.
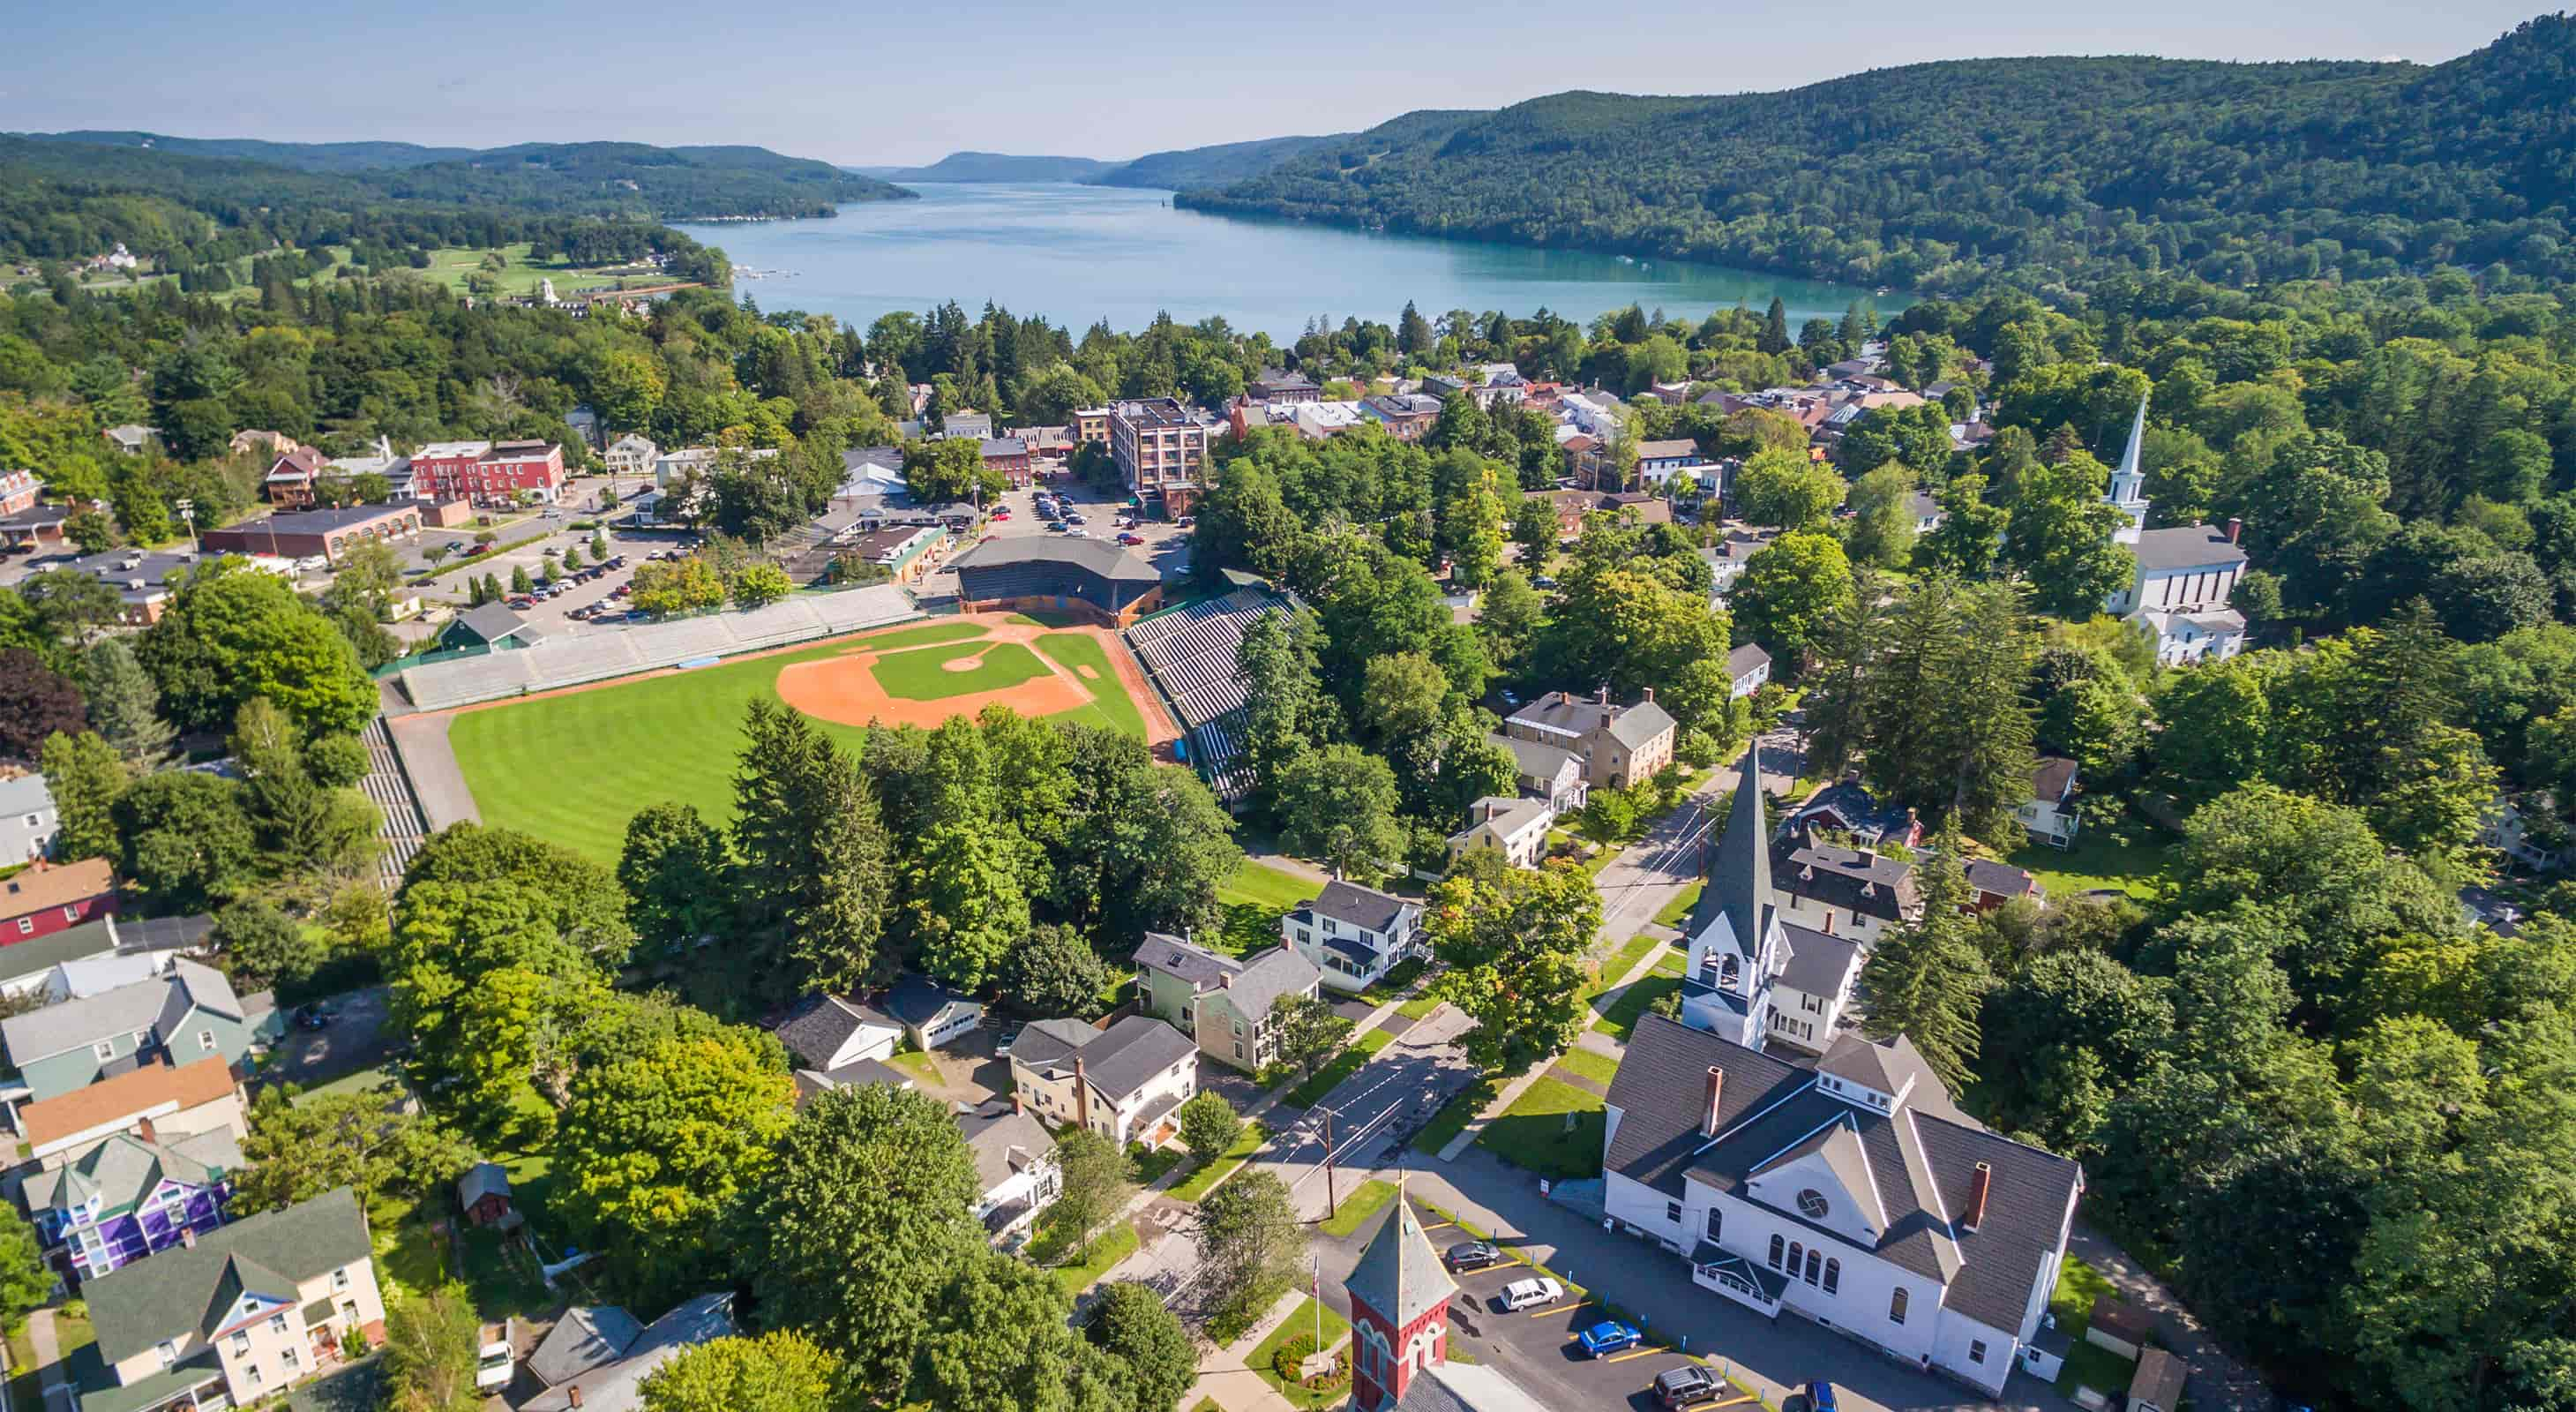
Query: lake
x=1078, y=254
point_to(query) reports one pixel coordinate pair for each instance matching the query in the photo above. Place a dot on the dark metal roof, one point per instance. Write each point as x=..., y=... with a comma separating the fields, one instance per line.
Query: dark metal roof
x=1739, y=872
x=1096, y=555
x=2186, y=547
x=1818, y=964
x=1362, y=907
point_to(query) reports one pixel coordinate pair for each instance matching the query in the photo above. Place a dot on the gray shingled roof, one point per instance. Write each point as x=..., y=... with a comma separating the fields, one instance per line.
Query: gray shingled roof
x=1533, y=759
x=923, y=1003
x=1117, y=1061
x=1274, y=973
x=821, y=1023
x=1363, y=907
x=156, y=1003
x=1818, y=963
x=1400, y=1276
x=588, y=1336
x=1739, y=872
x=497, y=622
x=1097, y=555
x=615, y=1388
x=125, y=1169
x=1865, y=881
x=2186, y=547
x=1003, y=1143
x=1920, y=1159
x=168, y=1296
x=1198, y=967
x=1639, y=724
x=1744, y=659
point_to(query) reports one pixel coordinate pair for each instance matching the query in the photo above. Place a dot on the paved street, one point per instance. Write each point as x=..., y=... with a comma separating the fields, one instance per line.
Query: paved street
x=1374, y=1111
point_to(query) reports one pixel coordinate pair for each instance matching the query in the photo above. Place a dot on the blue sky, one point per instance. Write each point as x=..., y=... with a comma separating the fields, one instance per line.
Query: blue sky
x=881, y=83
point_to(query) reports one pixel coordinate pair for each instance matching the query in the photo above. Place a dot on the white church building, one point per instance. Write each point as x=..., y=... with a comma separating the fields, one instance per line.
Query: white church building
x=2185, y=573
x=1753, y=975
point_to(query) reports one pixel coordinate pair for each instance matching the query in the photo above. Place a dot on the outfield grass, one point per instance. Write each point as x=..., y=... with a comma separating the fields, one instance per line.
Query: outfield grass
x=1357, y=1206
x=923, y=674
x=1204, y=1180
x=1074, y=651
x=1533, y=1133
x=1344, y=1064
x=925, y=635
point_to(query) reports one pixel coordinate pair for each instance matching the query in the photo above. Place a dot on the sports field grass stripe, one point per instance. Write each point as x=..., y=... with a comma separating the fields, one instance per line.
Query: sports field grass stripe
x=923, y=674
x=923, y=636
x=1074, y=651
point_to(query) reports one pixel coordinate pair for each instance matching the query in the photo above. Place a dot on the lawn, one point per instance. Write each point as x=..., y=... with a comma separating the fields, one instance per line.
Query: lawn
x=451, y=265
x=1301, y=1324
x=1204, y=1180
x=917, y=1063
x=1343, y=1065
x=26, y=1381
x=1398, y=979
x=1620, y=963
x=1145, y=1166
x=1260, y=885
x=358, y=1082
x=1358, y=1206
x=2128, y=857
x=924, y=674
x=926, y=635
x=1114, y=1245
x=1456, y=1114
x=1584, y=1063
x=2087, y=1365
x=1620, y=1020
x=1535, y=1133
x=1678, y=910
x=1075, y=651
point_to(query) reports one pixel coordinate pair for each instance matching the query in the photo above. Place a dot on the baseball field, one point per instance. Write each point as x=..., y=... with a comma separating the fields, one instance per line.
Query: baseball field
x=574, y=766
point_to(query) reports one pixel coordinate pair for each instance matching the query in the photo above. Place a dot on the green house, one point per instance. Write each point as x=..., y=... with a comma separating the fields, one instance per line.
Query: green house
x=1221, y=1003
x=180, y=1017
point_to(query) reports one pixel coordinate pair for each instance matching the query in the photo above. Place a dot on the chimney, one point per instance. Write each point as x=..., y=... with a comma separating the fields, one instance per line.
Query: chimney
x=1716, y=1087
x=143, y=1130
x=1650, y=695
x=1018, y=1105
x=188, y=1236
x=572, y=1393
x=1980, y=1185
x=1868, y=857
x=1081, y=1096
x=2235, y=527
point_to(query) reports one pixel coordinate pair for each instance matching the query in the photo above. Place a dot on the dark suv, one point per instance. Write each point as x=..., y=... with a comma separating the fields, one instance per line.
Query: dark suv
x=1680, y=1387
x=1474, y=1255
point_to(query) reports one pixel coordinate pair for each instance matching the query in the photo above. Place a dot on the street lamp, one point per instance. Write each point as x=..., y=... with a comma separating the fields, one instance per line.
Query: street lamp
x=188, y=512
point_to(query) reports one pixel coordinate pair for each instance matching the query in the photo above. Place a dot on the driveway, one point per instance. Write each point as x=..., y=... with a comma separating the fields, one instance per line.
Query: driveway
x=963, y=1072
x=355, y=1039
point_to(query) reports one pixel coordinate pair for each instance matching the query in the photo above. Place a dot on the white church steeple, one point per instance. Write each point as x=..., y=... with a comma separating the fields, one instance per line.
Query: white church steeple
x=2128, y=493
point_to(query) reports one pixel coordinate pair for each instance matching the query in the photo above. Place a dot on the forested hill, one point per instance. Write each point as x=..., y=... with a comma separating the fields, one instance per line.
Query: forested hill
x=996, y=166
x=302, y=156
x=2059, y=171
x=1213, y=166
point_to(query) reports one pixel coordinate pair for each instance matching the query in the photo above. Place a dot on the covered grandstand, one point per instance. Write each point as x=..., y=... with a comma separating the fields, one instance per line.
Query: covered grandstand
x=574, y=659
x=1189, y=654
x=1062, y=574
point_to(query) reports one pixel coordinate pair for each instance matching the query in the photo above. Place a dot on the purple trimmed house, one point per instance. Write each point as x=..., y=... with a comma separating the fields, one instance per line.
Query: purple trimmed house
x=130, y=1197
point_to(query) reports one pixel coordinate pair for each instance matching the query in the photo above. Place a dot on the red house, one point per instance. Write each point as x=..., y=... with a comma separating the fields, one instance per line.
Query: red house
x=46, y=899
x=289, y=484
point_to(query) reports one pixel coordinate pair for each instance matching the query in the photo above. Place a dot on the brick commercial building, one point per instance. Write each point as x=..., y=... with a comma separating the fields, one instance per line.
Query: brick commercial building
x=302, y=534
x=1010, y=456
x=488, y=473
x=1160, y=450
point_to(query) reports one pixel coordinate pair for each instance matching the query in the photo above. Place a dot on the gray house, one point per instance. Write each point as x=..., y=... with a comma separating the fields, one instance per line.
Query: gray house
x=184, y=1015
x=1221, y=1002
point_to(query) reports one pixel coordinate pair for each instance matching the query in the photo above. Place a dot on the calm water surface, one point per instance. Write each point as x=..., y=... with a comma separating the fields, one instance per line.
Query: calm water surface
x=1077, y=254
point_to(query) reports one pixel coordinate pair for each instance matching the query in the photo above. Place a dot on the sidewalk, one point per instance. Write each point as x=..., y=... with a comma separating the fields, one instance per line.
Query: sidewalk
x=1224, y=1377
x=49, y=1359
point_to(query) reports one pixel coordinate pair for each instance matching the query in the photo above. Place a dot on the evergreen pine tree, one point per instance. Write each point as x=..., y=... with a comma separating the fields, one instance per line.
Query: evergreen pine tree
x=1927, y=979
x=124, y=705
x=1775, y=328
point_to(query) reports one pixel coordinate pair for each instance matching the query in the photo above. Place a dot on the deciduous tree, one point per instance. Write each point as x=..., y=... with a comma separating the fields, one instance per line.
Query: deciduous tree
x=1054, y=971
x=1515, y=947
x=1788, y=490
x=35, y=702
x=85, y=778
x=432, y=1346
x=1339, y=804
x=1254, y=1247
x=779, y=1371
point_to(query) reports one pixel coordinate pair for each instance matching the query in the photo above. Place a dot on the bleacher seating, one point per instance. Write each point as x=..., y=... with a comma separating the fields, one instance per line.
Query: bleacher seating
x=1189, y=652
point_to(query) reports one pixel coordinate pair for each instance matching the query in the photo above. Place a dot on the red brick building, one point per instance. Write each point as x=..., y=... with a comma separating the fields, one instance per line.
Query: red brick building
x=46, y=899
x=300, y=534
x=488, y=473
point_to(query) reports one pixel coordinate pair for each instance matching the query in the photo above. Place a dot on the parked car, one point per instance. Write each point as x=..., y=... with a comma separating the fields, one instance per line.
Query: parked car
x=1543, y=581
x=1186, y=521
x=1474, y=1255
x=1002, y=514
x=494, y=1369
x=1057, y=527
x=313, y=1017
x=521, y=600
x=1532, y=1293
x=1682, y=1386
x=1131, y=538
x=1002, y=1042
x=1820, y=1397
x=1608, y=1337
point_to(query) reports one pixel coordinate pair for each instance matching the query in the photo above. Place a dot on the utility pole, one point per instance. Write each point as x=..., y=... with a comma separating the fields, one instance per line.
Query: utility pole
x=1332, y=1204
x=188, y=512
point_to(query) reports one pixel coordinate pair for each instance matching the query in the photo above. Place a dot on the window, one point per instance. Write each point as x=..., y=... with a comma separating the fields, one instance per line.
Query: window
x=1896, y=1305
x=1833, y=1275
x=169, y=1353
x=287, y=1356
x=1673, y=1212
x=241, y=1345
x=340, y=1278
x=206, y=1040
x=1976, y=1350
x=1775, y=1252
x=250, y=1374
x=1716, y=1220
x=1812, y=1204
x=1814, y=1264
x=26, y=926
x=1797, y=1257
x=277, y=1324
x=106, y=1049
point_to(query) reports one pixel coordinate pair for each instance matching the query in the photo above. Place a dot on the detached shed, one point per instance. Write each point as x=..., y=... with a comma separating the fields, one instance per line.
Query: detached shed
x=484, y=1192
x=2158, y=1385
x=2119, y=1326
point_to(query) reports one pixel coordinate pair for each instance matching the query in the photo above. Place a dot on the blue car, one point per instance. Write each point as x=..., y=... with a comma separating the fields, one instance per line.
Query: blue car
x=1820, y=1397
x=1610, y=1336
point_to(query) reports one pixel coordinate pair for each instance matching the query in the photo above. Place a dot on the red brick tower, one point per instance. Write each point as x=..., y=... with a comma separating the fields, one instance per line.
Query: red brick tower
x=1399, y=1311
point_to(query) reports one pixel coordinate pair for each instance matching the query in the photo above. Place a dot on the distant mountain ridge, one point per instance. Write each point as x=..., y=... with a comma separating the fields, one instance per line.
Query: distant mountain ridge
x=301, y=156
x=2045, y=172
x=1170, y=171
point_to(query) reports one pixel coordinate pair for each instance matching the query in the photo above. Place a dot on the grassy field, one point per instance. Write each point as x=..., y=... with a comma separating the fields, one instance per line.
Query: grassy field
x=1533, y=1133
x=1114, y=1245
x=1620, y=1020
x=1259, y=885
x=1297, y=1325
x=451, y=266
x=1075, y=651
x=1584, y=1063
x=1358, y=1206
x=1342, y=1066
x=1204, y=1180
x=574, y=768
x=924, y=674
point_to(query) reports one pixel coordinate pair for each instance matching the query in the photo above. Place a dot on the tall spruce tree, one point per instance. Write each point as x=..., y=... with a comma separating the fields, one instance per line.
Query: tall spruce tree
x=124, y=705
x=813, y=855
x=1775, y=329
x=1927, y=979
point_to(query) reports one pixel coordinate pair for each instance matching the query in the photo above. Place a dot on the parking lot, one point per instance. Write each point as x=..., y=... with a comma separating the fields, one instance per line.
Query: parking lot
x=1164, y=545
